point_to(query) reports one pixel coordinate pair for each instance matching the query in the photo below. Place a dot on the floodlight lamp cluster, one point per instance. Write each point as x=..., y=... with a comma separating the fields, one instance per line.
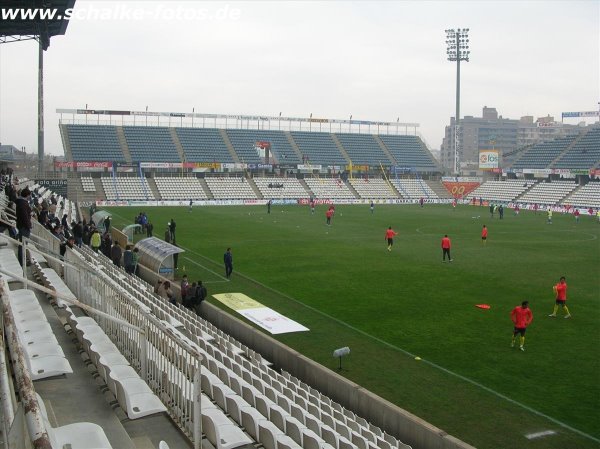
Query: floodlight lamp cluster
x=458, y=44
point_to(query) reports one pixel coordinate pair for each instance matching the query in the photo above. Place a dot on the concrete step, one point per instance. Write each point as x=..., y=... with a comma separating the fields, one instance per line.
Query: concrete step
x=123, y=143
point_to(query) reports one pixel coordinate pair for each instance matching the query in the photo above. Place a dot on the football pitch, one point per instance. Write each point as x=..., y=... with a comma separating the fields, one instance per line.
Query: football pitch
x=389, y=307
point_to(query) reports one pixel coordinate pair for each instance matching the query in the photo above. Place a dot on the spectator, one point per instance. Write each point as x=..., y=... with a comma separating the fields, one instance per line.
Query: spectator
x=128, y=260
x=95, y=240
x=167, y=293
x=135, y=259
x=23, y=212
x=185, y=285
x=116, y=253
x=172, y=226
x=149, y=229
x=78, y=233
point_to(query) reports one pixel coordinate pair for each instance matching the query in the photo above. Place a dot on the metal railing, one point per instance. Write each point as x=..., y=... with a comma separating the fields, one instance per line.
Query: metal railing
x=170, y=364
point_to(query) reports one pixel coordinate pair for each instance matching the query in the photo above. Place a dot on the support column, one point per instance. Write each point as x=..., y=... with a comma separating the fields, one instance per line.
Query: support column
x=40, y=110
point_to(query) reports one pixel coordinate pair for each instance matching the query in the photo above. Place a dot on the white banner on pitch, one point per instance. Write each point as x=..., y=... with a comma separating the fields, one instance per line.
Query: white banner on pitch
x=272, y=321
x=267, y=318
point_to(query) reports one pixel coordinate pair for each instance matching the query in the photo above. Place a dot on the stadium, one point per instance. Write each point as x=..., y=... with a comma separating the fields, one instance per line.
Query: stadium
x=308, y=333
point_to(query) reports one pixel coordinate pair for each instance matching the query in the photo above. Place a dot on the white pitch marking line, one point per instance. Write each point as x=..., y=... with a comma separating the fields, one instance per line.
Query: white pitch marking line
x=207, y=269
x=390, y=345
x=533, y=436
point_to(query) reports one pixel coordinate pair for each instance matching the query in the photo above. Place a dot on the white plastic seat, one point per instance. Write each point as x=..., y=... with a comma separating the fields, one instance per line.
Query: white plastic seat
x=44, y=349
x=28, y=326
x=48, y=366
x=268, y=434
x=221, y=432
x=20, y=307
x=37, y=337
x=250, y=421
x=140, y=404
x=220, y=394
x=122, y=372
x=235, y=405
x=83, y=435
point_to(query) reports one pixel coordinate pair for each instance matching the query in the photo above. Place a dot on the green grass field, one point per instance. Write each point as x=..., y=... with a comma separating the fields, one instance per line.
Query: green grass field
x=343, y=284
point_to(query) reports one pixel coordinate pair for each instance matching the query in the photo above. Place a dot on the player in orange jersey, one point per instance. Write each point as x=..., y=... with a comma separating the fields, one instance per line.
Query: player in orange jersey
x=522, y=317
x=560, y=290
x=389, y=236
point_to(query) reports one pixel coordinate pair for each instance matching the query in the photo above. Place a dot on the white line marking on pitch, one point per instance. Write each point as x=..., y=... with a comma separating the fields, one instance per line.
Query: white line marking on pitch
x=441, y=368
x=533, y=436
x=207, y=269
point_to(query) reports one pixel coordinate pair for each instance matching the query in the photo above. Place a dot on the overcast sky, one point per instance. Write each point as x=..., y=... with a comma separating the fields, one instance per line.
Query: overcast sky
x=374, y=60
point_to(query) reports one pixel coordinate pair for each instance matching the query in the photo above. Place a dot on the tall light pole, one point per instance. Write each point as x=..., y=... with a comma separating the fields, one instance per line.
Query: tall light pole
x=458, y=50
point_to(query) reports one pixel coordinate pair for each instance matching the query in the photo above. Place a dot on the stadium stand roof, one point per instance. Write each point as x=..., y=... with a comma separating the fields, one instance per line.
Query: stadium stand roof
x=22, y=28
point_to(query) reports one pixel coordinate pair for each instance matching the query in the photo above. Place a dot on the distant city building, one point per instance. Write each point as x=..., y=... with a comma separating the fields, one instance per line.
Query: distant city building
x=493, y=132
x=10, y=153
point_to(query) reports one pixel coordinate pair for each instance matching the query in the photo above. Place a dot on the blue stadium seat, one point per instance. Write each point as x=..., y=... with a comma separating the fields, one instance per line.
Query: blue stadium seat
x=94, y=143
x=319, y=148
x=409, y=151
x=363, y=149
x=150, y=144
x=203, y=145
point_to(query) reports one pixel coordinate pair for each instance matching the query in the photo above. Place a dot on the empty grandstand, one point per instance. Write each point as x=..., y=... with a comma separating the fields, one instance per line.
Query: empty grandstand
x=203, y=145
x=586, y=196
x=542, y=154
x=281, y=188
x=373, y=188
x=126, y=188
x=230, y=188
x=503, y=191
x=410, y=152
x=585, y=153
x=328, y=188
x=92, y=142
x=414, y=189
x=363, y=149
x=549, y=193
x=180, y=188
x=150, y=143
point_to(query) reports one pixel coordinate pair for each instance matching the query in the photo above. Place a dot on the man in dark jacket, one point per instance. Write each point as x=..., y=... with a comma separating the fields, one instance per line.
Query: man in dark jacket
x=228, y=260
x=78, y=233
x=23, y=212
x=116, y=253
x=128, y=260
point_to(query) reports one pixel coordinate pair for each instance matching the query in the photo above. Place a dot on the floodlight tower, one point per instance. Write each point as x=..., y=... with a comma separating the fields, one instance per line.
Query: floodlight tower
x=458, y=50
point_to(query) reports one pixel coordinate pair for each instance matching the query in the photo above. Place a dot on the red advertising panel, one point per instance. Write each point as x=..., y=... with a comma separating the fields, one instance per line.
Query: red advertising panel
x=81, y=164
x=460, y=189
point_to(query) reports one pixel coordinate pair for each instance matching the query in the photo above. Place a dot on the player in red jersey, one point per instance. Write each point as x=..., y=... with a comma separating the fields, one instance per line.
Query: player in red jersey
x=560, y=290
x=484, y=234
x=522, y=317
x=389, y=236
x=329, y=214
x=446, y=244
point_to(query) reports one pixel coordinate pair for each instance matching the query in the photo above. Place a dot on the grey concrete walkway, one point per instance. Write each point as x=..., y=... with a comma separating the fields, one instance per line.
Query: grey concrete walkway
x=78, y=397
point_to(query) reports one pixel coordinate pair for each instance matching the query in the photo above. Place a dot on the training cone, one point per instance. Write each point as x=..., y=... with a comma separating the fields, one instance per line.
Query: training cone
x=483, y=306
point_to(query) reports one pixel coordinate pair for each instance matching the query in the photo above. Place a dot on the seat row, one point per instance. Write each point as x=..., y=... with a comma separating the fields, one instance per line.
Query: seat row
x=44, y=356
x=132, y=393
x=82, y=435
x=225, y=355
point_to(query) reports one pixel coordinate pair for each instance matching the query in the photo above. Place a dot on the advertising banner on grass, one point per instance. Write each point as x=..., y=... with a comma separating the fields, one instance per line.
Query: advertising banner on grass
x=267, y=318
